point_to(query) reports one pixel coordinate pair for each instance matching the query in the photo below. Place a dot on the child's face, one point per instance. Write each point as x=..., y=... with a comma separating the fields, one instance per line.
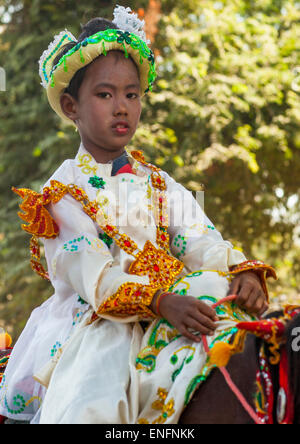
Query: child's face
x=108, y=109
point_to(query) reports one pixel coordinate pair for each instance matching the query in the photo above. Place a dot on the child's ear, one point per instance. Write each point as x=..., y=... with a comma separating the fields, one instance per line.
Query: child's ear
x=69, y=106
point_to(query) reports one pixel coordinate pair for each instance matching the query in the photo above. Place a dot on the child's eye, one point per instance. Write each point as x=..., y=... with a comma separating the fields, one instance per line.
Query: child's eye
x=104, y=95
x=132, y=95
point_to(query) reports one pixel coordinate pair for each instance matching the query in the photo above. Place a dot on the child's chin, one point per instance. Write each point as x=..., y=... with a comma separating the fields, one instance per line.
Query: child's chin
x=120, y=142
x=117, y=146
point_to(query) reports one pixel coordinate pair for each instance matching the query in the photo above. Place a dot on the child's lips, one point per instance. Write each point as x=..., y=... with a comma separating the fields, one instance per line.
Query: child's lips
x=120, y=128
x=121, y=131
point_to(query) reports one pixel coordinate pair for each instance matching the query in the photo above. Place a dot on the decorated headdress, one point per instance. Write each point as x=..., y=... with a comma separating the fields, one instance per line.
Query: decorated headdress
x=129, y=38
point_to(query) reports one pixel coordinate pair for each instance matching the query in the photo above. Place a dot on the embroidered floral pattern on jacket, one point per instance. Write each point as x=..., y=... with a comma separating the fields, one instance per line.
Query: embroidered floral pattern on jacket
x=160, y=404
x=81, y=242
x=106, y=239
x=166, y=408
x=186, y=360
x=87, y=164
x=162, y=335
x=81, y=301
x=20, y=404
x=180, y=243
x=55, y=349
x=97, y=182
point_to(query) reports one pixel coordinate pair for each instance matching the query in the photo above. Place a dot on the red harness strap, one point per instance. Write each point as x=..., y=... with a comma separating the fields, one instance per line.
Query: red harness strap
x=285, y=399
x=264, y=397
x=271, y=331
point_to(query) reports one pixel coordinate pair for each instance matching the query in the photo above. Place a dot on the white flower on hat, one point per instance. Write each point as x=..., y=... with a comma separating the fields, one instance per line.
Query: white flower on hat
x=126, y=20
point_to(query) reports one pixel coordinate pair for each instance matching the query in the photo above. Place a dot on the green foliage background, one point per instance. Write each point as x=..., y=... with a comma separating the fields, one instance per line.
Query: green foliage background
x=225, y=113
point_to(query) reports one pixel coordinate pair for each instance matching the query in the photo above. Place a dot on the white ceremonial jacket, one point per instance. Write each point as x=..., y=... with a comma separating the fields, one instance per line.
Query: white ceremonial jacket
x=85, y=271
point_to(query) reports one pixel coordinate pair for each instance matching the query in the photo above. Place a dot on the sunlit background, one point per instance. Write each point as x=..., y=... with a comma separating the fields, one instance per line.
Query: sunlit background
x=224, y=113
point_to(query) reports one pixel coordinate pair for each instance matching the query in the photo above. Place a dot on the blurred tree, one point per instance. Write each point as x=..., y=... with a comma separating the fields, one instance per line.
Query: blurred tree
x=225, y=112
x=33, y=141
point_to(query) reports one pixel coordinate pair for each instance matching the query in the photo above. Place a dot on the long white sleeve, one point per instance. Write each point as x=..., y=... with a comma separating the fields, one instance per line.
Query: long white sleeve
x=193, y=237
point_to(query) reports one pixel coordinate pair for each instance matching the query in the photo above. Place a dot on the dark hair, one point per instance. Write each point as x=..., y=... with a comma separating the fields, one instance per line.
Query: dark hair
x=94, y=25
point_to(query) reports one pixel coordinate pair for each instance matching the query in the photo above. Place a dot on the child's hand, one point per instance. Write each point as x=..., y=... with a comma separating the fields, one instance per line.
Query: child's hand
x=186, y=312
x=251, y=296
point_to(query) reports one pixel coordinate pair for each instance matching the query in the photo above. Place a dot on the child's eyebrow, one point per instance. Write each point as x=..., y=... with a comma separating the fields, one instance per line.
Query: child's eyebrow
x=109, y=85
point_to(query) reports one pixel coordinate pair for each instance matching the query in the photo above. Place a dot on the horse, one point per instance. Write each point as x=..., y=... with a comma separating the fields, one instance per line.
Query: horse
x=214, y=403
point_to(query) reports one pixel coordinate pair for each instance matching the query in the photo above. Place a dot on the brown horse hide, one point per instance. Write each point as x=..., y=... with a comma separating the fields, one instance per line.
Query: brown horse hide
x=214, y=403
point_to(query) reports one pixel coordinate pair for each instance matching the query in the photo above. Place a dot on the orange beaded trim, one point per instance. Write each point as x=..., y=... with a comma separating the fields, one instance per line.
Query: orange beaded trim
x=35, y=260
x=35, y=214
x=158, y=182
x=40, y=222
x=130, y=299
x=253, y=265
x=263, y=271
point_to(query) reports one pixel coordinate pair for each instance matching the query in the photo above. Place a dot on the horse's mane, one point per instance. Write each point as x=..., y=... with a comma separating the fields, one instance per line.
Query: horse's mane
x=293, y=355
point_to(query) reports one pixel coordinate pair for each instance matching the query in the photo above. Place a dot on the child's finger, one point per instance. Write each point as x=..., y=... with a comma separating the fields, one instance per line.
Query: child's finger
x=244, y=295
x=259, y=303
x=263, y=309
x=203, y=320
x=202, y=324
x=184, y=331
x=206, y=310
x=234, y=286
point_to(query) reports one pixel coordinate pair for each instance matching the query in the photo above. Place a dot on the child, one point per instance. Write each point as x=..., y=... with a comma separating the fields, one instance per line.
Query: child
x=117, y=255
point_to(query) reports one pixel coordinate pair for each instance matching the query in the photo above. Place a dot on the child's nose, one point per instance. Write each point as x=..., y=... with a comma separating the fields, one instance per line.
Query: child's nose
x=120, y=107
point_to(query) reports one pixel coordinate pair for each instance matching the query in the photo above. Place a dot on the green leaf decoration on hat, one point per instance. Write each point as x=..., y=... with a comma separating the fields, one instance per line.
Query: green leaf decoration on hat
x=124, y=36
